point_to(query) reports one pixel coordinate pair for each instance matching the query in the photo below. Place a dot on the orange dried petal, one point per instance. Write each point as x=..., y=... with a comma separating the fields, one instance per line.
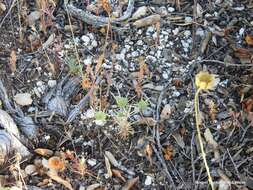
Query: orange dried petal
x=56, y=163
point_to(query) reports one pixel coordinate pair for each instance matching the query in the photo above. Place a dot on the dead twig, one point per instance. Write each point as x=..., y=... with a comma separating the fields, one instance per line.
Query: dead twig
x=7, y=14
x=74, y=112
x=156, y=135
x=98, y=21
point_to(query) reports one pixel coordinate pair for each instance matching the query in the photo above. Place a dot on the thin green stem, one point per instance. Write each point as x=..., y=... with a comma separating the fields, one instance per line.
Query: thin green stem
x=197, y=117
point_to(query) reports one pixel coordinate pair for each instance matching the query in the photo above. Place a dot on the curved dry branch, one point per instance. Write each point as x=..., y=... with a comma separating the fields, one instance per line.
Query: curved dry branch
x=98, y=21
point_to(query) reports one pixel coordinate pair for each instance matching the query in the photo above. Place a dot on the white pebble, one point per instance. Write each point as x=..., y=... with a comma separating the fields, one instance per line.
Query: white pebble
x=91, y=36
x=148, y=180
x=187, y=33
x=139, y=32
x=175, y=31
x=150, y=30
x=186, y=50
x=141, y=11
x=139, y=43
x=241, y=31
x=165, y=75
x=188, y=19
x=200, y=32
x=171, y=9
x=135, y=54
x=51, y=83
x=128, y=47
x=92, y=162
x=185, y=44
x=175, y=94
x=88, y=61
x=120, y=56
x=90, y=113
x=94, y=43
x=86, y=40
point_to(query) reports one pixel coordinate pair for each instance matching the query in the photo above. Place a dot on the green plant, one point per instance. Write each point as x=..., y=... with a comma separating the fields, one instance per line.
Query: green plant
x=122, y=115
x=142, y=105
x=122, y=102
x=100, y=116
x=74, y=67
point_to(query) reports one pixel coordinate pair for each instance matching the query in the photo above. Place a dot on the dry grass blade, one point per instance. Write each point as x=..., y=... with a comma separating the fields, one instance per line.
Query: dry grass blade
x=130, y=184
x=13, y=61
x=54, y=176
x=108, y=167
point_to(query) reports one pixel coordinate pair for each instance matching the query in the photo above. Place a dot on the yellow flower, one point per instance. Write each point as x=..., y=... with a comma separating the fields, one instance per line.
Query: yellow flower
x=206, y=81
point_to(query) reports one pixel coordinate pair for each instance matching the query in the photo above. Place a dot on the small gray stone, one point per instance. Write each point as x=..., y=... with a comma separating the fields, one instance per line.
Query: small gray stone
x=175, y=31
x=176, y=94
x=148, y=112
x=92, y=162
x=51, y=83
x=200, y=32
x=148, y=180
x=86, y=40
x=94, y=43
x=88, y=61
x=135, y=54
x=165, y=75
x=188, y=19
x=171, y=9
x=187, y=33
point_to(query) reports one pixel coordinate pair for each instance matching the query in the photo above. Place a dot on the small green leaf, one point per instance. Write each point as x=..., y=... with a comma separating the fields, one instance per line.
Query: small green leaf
x=74, y=67
x=120, y=115
x=122, y=102
x=142, y=105
x=100, y=116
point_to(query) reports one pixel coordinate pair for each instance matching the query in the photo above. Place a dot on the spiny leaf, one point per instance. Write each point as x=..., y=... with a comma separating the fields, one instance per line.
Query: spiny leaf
x=122, y=102
x=142, y=105
x=74, y=68
x=100, y=116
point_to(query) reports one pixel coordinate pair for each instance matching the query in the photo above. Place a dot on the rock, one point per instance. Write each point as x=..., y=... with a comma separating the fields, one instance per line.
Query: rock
x=51, y=83
x=175, y=31
x=176, y=94
x=30, y=169
x=188, y=19
x=33, y=17
x=200, y=32
x=171, y=9
x=162, y=11
x=241, y=31
x=148, y=112
x=86, y=40
x=88, y=61
x=187, y=33
x=92, y=162
x=165, y=75
x=39, y=83
x=148, y=180
x=140, y=12
x=9, y=138
x=94, y=43
x=23, y=99
x=135, y=54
